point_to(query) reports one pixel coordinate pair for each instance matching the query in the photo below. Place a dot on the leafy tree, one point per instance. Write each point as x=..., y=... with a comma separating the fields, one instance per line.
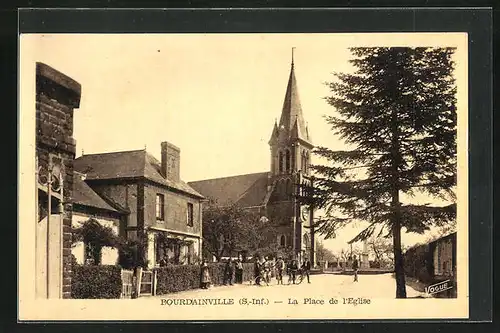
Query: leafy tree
x=397, y=115
x=95, y=236
x=231, y=228
x=131, y=253
x=324, y=254
x=442, y=231
x=382, y=248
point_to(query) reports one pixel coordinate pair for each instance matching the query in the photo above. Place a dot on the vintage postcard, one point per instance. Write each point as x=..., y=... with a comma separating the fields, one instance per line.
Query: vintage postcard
x=205, y=177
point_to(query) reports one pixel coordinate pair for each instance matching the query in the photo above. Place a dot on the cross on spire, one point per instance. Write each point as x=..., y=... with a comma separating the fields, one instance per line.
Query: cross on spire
x=293, y=48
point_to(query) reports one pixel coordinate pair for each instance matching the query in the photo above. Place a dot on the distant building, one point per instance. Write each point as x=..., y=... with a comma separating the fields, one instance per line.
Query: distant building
x=444, y=256
x=434, y=262
x=163, y=210
x=273, y=193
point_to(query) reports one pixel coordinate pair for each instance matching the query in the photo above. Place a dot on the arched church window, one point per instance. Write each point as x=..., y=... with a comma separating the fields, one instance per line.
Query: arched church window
x=287, y=161
x=280, y=161
x=283, y=241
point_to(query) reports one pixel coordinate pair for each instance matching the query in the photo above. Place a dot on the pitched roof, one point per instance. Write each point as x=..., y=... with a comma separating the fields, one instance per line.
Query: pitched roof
x=128, y=164
x=248, y=190
x=292, y=124
x=84, y=195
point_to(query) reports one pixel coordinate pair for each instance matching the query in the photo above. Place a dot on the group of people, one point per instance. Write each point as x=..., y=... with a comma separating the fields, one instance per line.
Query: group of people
x=232, y=270
x=263, y=268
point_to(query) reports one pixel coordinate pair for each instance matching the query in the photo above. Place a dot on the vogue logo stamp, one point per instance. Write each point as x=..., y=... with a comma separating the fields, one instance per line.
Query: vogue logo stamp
x=439, y=287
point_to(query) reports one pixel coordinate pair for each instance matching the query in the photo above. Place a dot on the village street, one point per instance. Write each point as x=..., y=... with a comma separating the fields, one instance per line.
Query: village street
x=324, y=286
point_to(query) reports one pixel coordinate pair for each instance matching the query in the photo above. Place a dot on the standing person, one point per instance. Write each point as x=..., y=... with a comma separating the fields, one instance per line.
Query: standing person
x=205, y=275
x=355, y=268
x=306, y=267
x=293, y=270
x=238, y=271
x=267, y=269
x=280, y=267
x=256, y=270
x=228, y=272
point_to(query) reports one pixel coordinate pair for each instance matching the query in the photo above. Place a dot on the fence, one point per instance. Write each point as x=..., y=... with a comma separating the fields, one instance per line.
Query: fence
x=127, y=283
x=146, y=282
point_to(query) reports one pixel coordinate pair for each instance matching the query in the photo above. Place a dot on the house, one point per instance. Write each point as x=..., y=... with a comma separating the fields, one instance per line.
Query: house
x=164, y=211
x=273, y=193
x=57, y=96
x=444, y=257
x=87, y=205
x=434, y=262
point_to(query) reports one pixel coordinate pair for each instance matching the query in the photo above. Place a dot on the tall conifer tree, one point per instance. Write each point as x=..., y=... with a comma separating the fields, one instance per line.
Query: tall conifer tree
x=397, y=115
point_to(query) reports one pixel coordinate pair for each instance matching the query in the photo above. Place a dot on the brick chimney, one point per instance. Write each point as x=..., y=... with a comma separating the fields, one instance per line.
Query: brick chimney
x=170, y=161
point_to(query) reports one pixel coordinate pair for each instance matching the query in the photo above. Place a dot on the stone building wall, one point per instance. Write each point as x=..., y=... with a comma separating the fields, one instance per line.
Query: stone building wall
x=57, y=95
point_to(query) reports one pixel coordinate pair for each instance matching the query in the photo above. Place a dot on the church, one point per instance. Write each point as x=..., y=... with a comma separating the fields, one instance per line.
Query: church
x=273, y=193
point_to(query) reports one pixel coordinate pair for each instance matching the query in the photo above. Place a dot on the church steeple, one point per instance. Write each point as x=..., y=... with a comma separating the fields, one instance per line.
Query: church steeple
x=290, y=141
x=291, y=113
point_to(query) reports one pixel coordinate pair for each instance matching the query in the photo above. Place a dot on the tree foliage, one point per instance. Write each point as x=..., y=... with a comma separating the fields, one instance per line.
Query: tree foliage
x=324, y=254
x=382, y=248
x=397, y=115
x=231, y=228
x=95, y=236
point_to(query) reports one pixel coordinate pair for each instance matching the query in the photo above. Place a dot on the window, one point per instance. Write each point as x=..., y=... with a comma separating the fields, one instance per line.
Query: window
x=287, y=161
x=282, y=241
x=280, y=160
x=160, y=207
x=304, y=161
x=190, y=214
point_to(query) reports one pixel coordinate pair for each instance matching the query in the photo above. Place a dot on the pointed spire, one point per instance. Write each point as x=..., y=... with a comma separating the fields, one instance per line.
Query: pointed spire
x=291, y=114
x=275, y=134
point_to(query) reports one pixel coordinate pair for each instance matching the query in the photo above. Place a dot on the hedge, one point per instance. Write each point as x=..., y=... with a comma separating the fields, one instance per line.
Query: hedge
x=100, y=281
x=175, y=278
x=418, y=263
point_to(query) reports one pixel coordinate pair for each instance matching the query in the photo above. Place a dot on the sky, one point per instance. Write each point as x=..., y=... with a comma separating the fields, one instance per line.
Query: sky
x=214, y=96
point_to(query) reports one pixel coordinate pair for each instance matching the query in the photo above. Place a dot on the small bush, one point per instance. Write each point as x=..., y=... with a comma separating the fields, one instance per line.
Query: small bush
x=131, y=254
x=102, y=281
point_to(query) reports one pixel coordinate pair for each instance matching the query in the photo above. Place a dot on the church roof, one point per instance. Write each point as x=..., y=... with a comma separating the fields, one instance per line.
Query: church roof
x=128, y=164
x=292, y=124
x=248, y=190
